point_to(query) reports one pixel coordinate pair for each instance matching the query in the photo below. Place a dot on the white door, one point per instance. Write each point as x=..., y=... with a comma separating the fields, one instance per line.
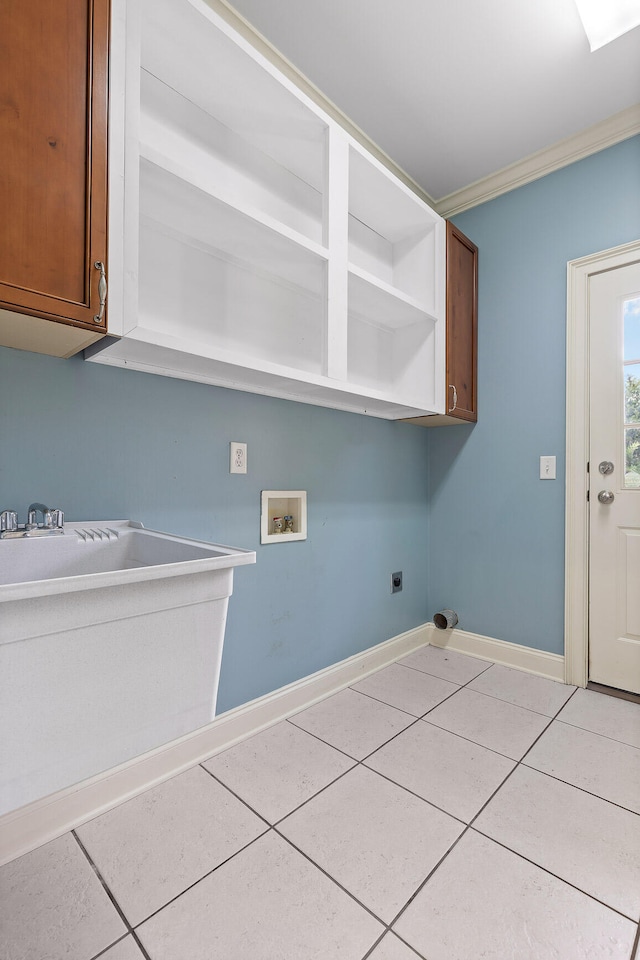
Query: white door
x=614, y=499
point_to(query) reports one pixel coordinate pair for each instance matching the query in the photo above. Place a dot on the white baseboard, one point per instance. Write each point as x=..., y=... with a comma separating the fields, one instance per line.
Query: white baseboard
x=36, y=823
x=549, y=665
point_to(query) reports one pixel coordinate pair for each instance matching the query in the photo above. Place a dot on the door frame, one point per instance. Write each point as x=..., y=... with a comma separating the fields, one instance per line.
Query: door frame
x=576, y=615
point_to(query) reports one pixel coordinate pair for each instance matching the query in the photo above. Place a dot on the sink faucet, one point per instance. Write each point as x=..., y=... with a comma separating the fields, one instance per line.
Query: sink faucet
x=52, y=522
x=48, y=520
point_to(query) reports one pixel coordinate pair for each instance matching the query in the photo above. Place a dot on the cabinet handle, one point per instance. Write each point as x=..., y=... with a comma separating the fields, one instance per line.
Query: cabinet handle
x=455, y=398
x=102, y=291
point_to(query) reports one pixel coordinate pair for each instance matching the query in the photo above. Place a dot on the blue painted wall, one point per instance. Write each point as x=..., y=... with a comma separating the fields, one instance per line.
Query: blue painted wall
x=496, y=530
x=459, y=510
x=108, y=443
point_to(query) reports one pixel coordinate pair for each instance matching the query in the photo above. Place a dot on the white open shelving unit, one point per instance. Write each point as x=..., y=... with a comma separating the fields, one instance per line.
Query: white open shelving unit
x=264, y=248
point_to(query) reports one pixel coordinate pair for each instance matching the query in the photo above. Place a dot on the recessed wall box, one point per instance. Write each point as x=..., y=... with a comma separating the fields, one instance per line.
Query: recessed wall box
x=283, y=516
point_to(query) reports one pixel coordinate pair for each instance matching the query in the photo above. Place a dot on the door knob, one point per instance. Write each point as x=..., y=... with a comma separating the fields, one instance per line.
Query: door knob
x=606, y=467
x=605, y=496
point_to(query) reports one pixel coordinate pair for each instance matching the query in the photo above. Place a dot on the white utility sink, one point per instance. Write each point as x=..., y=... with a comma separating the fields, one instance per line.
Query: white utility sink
x=123, y=550
x=111, y=642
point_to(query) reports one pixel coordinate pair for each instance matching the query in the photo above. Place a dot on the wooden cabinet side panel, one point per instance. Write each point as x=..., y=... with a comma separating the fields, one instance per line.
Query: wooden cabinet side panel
x=53, y=127
x=462, y=324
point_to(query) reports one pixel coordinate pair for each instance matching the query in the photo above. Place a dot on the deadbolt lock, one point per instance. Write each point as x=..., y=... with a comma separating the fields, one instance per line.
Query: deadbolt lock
x=605, y=468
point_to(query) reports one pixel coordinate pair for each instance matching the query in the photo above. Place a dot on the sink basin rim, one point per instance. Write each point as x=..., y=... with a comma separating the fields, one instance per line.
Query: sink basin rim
x=227, y=556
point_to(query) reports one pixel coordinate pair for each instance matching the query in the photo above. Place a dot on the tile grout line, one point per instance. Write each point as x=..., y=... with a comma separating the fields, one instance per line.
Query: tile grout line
x=421, y=887
x=203, y=877
x=567, y=783
x=358, y=763
x=355, y=763
x=414, y=720
x=517, y=764
x=636, y=944
x=390, y=932
x=237, y=796
x=462, y=686
x=411, y=793
x=199, y=880
x=362, y=762
x=482, y=746
x=376, y=944
x=295, y=809
x=445, y=855
x=111, y=897
x=483, y=693
x=473, y=819
x=490, y=663
x=408, y=727
x=303, y=803
x=550, y=873
x=454, y=844
x=518, y=706
x=470, y=826
x=273, y=828
x=551, y=720
x=576, y=726
x=333, y=880
x=115, y=943
x=521, y=856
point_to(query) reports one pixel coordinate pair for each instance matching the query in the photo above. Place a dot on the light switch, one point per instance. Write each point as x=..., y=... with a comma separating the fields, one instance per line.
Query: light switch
x=547, y=468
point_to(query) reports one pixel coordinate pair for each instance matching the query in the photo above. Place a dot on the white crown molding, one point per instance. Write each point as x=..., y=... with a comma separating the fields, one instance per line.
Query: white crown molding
x=605, y=134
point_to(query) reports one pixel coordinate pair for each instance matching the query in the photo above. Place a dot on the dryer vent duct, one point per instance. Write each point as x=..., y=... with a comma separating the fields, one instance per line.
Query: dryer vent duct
x=445, y=620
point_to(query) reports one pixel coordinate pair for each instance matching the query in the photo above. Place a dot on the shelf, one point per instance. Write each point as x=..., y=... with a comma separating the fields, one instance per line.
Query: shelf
x=265, y=249
x=228, y=231
x=190, y=49
x=228, y=304
x=169, y=356
x=190, y=143
x=374, y=300
x=393, y=235
x=395, y=362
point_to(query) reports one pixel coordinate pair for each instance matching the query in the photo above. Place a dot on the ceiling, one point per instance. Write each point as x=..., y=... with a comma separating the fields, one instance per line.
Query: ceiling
x=454, y=90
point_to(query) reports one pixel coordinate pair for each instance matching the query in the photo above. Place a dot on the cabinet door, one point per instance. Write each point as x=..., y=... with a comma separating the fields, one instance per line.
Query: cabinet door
x=53, y=161
x=462, y=325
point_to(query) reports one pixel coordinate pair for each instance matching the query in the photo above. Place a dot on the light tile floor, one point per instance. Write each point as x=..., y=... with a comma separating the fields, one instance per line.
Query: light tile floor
x=444, y=808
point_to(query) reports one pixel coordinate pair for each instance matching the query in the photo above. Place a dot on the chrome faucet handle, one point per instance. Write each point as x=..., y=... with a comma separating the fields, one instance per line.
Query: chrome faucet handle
x=8, y=521
x=35, y=508
x=57, y=518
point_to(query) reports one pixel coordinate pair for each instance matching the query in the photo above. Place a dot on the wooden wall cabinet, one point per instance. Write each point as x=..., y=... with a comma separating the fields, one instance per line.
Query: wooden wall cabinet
x=462, y=333
x=53, y=173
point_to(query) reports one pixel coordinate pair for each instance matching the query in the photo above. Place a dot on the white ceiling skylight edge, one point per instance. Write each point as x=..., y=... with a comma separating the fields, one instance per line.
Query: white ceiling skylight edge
x=605, y=22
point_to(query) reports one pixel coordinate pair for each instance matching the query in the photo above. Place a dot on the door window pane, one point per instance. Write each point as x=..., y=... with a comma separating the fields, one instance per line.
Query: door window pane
x=632, y=393
x=632, y=329
x=632, y=451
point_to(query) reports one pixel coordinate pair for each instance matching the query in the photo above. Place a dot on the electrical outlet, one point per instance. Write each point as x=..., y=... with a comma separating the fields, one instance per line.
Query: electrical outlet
x=396, y=582
x=237, y=457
